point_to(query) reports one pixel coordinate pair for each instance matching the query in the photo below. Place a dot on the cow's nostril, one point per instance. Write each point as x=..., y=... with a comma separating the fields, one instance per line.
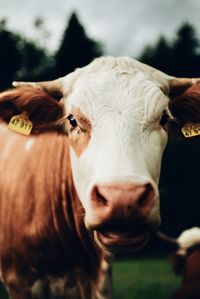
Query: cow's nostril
x=98, y=197
x=146, y=196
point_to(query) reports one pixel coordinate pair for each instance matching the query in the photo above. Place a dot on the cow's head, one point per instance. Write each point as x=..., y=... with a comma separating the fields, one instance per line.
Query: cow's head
x=117, y=111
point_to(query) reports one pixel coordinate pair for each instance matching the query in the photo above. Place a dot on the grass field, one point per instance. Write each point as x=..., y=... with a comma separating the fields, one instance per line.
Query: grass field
x=141, y=278
x=144, y=278
x=2, y=292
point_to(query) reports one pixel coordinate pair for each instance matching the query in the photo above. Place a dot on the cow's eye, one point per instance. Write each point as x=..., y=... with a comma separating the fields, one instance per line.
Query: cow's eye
x=72, y=121
x=164, y=119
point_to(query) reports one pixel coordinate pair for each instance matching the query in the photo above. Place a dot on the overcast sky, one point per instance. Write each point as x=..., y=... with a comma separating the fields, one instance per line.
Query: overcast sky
x=124, y=27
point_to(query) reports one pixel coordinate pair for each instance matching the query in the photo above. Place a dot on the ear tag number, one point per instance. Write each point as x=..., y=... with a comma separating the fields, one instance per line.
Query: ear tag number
x=20, y=124
x=191, y=130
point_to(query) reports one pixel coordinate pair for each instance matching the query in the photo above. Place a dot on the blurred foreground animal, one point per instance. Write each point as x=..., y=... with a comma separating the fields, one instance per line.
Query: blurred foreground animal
x=186, y=262
x=84, y=185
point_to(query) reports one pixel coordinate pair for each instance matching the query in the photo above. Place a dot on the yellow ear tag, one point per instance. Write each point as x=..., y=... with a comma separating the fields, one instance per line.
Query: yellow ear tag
x=20, y=124
x=191, y=130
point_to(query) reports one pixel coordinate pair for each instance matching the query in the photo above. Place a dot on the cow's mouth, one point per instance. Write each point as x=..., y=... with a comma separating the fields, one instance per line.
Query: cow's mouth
x=129, y=239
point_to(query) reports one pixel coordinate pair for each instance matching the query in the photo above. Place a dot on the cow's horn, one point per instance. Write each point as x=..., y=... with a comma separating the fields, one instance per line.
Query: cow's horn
x=166, y=238
x=178, y=85
x=52, y=87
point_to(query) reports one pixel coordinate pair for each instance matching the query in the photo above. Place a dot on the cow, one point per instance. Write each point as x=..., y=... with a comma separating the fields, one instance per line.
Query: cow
x=186, y=262
x=84, y=185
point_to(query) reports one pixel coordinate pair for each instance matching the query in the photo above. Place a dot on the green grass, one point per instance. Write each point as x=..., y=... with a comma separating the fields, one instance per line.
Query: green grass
x=2, y=292
x=150, y=278
x=141, y=278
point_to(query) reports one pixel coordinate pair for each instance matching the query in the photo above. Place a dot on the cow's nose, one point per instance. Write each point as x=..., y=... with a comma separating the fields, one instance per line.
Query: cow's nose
x=122, y=201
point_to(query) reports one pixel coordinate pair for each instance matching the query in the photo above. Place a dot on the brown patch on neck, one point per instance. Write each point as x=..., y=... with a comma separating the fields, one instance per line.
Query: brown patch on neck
x=79, y=137
x=49, y=234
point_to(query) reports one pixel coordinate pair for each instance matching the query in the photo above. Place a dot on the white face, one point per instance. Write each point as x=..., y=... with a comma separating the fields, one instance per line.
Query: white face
x=116, y=140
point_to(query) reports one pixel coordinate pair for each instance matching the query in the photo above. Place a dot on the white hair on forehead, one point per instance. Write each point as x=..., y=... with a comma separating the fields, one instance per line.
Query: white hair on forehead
x=189, y=237
x=126, y=65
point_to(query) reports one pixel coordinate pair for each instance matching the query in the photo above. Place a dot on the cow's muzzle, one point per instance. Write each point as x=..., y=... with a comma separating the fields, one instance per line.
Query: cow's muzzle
x=126, y=239
x=119, y=214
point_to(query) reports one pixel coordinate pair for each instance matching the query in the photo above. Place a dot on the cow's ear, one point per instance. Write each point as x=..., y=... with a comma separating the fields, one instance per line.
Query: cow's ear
x=53, y=88
x=185, y=107
x=40, y=106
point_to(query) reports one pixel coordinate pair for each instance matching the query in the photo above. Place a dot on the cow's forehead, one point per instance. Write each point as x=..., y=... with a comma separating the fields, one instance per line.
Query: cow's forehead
x=116, y=90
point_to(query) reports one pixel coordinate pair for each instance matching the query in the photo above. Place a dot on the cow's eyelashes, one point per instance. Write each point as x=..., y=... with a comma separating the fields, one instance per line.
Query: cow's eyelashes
x=73, y=122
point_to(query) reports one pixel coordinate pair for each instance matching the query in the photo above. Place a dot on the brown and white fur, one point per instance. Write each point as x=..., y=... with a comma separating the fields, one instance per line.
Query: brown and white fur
x=84, y=185
x=186, y=262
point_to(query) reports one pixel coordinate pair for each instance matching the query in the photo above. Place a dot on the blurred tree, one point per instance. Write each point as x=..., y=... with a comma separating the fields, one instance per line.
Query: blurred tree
x=35, y=62
x=42, y=34
x=22, y=59
x=181, y=57
x=158, y=56
x=10, y=55
x=185, y=53
x=76, y=49
x=147, y=55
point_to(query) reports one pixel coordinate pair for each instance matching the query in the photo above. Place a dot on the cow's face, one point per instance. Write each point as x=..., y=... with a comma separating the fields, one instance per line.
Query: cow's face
x=116, y=125
x=117, y=109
